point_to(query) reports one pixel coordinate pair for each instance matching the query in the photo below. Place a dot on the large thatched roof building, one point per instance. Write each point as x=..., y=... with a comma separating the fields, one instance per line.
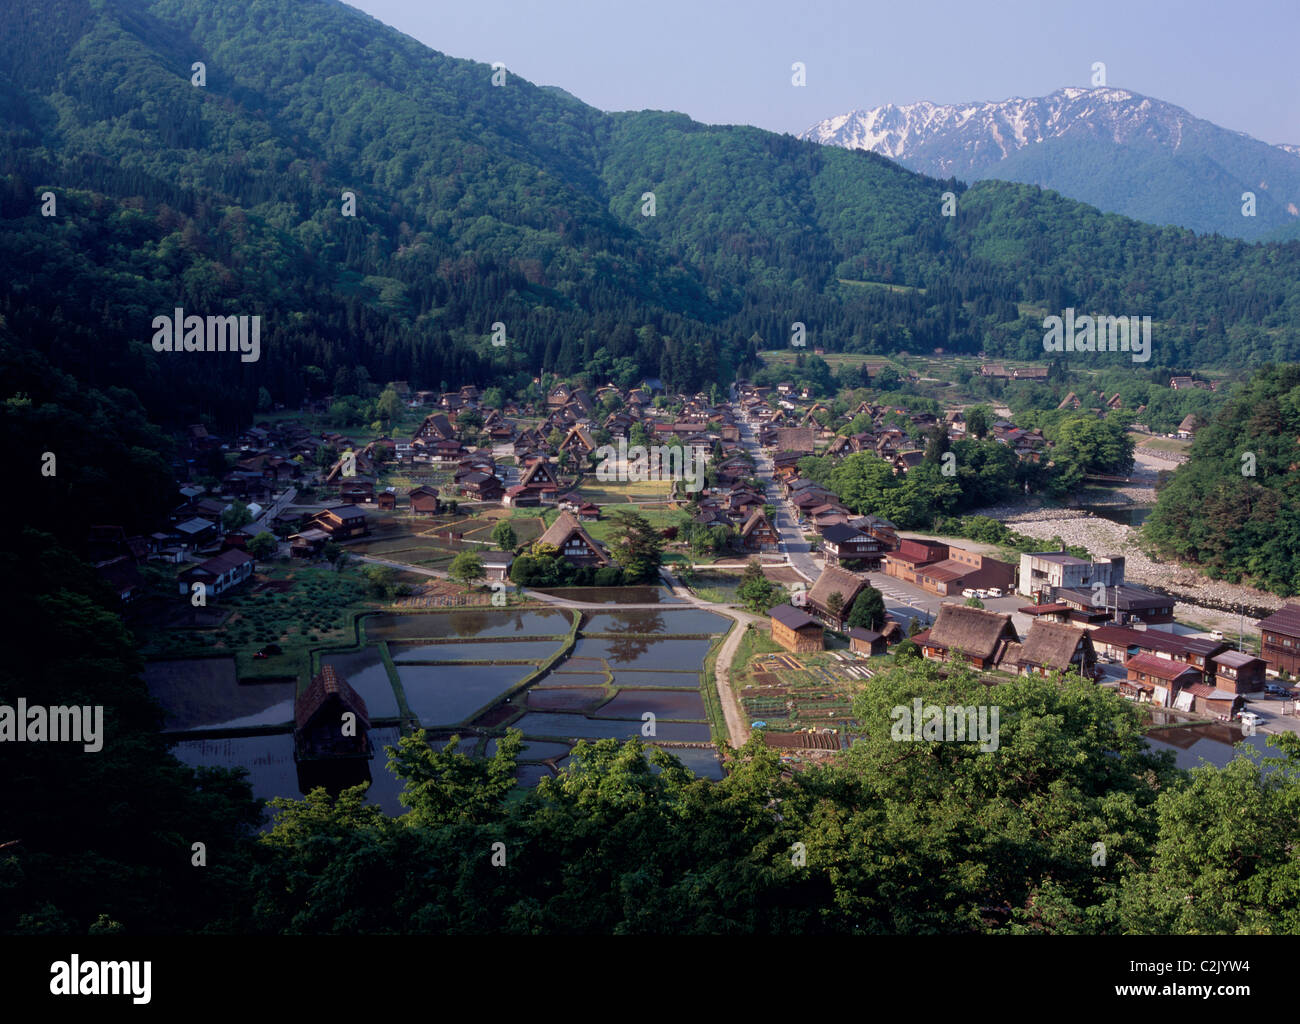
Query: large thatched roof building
x=834, y=580
x=967, y=634
x=1056, y=647
x=573, y=542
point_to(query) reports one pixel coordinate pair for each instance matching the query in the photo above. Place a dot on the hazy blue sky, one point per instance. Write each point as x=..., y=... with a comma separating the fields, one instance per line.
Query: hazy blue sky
x=1233, y=63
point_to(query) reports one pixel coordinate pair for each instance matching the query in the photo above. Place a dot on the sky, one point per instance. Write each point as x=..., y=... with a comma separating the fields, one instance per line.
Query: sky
x=727, y=62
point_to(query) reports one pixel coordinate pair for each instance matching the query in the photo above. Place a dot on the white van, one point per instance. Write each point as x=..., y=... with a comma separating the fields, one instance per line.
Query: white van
x=968, y=592
x=995, y=591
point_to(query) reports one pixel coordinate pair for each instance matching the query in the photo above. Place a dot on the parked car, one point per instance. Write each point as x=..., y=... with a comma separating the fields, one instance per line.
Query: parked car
x=968, y=592
x=995, y=591
x=1217, y=634
x=1249, y=717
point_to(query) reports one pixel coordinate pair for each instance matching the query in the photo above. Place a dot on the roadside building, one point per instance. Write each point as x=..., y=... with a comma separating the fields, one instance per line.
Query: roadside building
x=1280, y=640
x=1048, y=571
x=219, y=574
x=1124, y=601
x=842, y=544
x=1155, y=680
x=1238, y=672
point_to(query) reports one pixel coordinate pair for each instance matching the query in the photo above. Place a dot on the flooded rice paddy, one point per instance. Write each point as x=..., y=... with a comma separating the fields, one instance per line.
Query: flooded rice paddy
x=653, y=657
x=514, y=650
x=205, y=693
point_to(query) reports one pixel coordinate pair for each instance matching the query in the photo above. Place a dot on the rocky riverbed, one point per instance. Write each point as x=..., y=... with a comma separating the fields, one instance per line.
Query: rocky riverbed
x=1197, y=594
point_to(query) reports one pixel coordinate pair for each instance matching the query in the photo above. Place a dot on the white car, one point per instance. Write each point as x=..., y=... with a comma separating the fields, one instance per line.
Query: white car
x=968, y=592
x=995, y=591
x=981, y=593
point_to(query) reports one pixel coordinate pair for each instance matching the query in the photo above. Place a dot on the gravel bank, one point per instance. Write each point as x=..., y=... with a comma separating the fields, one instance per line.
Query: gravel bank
x=1196, y=593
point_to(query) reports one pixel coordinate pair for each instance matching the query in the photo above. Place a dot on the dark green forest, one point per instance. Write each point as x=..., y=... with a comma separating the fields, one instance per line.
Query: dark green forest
x=477, y=204
x=896, y=837
x=1233, y=510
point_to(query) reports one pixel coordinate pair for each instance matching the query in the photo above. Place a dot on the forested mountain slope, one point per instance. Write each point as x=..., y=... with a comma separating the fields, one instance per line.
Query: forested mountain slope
x=477, y=204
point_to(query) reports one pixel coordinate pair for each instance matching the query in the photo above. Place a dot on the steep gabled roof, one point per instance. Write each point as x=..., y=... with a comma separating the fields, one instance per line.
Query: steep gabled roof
x=1051, y=645
x=835, y=580
x=539, y=472
x=566, y=526
x=326, y=684
x=755, y=520
x=974, y=632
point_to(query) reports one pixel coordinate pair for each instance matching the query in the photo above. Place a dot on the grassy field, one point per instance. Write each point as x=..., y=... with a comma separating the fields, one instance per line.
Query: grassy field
x=295, y=606
x=835, y=360
x=1162, y=444
x=881, y=286
x=609, y=492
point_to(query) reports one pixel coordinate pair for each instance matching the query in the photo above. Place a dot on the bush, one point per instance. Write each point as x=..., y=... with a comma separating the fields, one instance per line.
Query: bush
x=608, y=576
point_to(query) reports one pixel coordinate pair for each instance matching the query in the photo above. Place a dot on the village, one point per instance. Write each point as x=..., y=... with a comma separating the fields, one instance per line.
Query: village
x=467, y=503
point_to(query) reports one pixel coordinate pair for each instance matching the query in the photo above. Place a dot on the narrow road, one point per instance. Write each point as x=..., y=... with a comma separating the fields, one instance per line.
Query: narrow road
x=797, y=550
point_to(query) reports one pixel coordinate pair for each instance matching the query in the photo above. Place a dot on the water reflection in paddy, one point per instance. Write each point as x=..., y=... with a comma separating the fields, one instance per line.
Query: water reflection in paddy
x=552, y=723
x=661, y=703
x=667, y=622
x=1212, y=742
x=205, y=693
x=645, y=653
x=534, y=750
x=672, y=680
x=365, y=673
x=499, y=650
x=565, y=698
x=447, y=694
x=486, y=622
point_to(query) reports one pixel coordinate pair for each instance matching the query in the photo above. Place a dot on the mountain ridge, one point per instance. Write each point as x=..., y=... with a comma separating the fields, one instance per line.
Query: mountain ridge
x=478, y=204
x=1077, y=141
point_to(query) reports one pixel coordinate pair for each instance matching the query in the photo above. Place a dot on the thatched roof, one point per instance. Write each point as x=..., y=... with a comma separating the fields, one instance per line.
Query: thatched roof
x=1051, y=645
x=328, y=683
x=794, y=439
x=973, y=632
x=836, y=580
x=559, y=532
x=755, y=520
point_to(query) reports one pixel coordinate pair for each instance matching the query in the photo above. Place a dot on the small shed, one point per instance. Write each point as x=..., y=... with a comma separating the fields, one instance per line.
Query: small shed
x=866, y=641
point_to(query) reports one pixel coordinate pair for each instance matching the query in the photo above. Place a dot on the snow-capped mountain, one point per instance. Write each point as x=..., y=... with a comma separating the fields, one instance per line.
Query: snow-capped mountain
x=1116, y=149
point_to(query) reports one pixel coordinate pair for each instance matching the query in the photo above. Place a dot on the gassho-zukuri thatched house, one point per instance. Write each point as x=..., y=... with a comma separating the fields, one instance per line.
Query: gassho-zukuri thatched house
x=973, y=635
x=1055, y=647
x=331, y=750
x=573, y=542
x=834, y=580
